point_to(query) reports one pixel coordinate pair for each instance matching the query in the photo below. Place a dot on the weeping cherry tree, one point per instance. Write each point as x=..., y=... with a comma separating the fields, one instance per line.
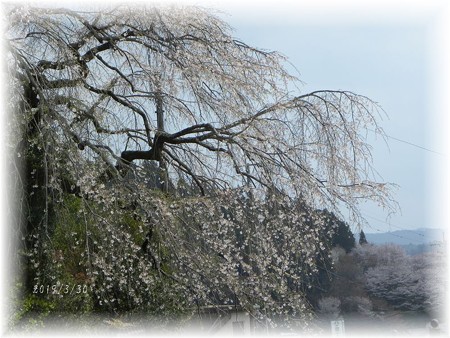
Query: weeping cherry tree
x=182, y=166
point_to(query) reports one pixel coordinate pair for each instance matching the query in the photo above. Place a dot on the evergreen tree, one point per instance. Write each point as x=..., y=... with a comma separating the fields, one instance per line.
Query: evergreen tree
x=343, y=237
x=362, y=238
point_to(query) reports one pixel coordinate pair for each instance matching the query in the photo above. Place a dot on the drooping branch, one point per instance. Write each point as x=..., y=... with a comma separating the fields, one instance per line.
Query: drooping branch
x=154, y=86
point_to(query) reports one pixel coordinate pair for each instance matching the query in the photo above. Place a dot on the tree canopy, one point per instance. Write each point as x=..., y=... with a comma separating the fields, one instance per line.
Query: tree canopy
x=175, y=86
x=102, y=97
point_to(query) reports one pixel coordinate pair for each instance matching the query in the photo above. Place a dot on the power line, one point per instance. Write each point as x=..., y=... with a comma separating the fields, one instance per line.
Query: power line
x=393, y=225
x=395, y=235
x=415, y=145
x=400, y=228
x=409, y=143
x=390, y=233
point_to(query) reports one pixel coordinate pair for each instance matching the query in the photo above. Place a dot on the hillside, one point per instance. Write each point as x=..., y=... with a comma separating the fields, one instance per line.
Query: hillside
x=406, y=237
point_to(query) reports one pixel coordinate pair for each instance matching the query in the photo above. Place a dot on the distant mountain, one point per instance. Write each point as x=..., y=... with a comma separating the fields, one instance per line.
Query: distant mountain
x=406, y=237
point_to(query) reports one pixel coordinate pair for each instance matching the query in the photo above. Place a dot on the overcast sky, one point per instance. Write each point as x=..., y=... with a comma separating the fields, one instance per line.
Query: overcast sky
x=387, y=53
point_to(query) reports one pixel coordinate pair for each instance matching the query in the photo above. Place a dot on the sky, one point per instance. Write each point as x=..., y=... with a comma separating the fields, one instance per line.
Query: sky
x=388, y=53
x=394, y=52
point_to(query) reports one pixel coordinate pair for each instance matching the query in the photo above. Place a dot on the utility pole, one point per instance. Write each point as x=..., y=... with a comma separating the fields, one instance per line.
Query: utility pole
x=163, y=183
